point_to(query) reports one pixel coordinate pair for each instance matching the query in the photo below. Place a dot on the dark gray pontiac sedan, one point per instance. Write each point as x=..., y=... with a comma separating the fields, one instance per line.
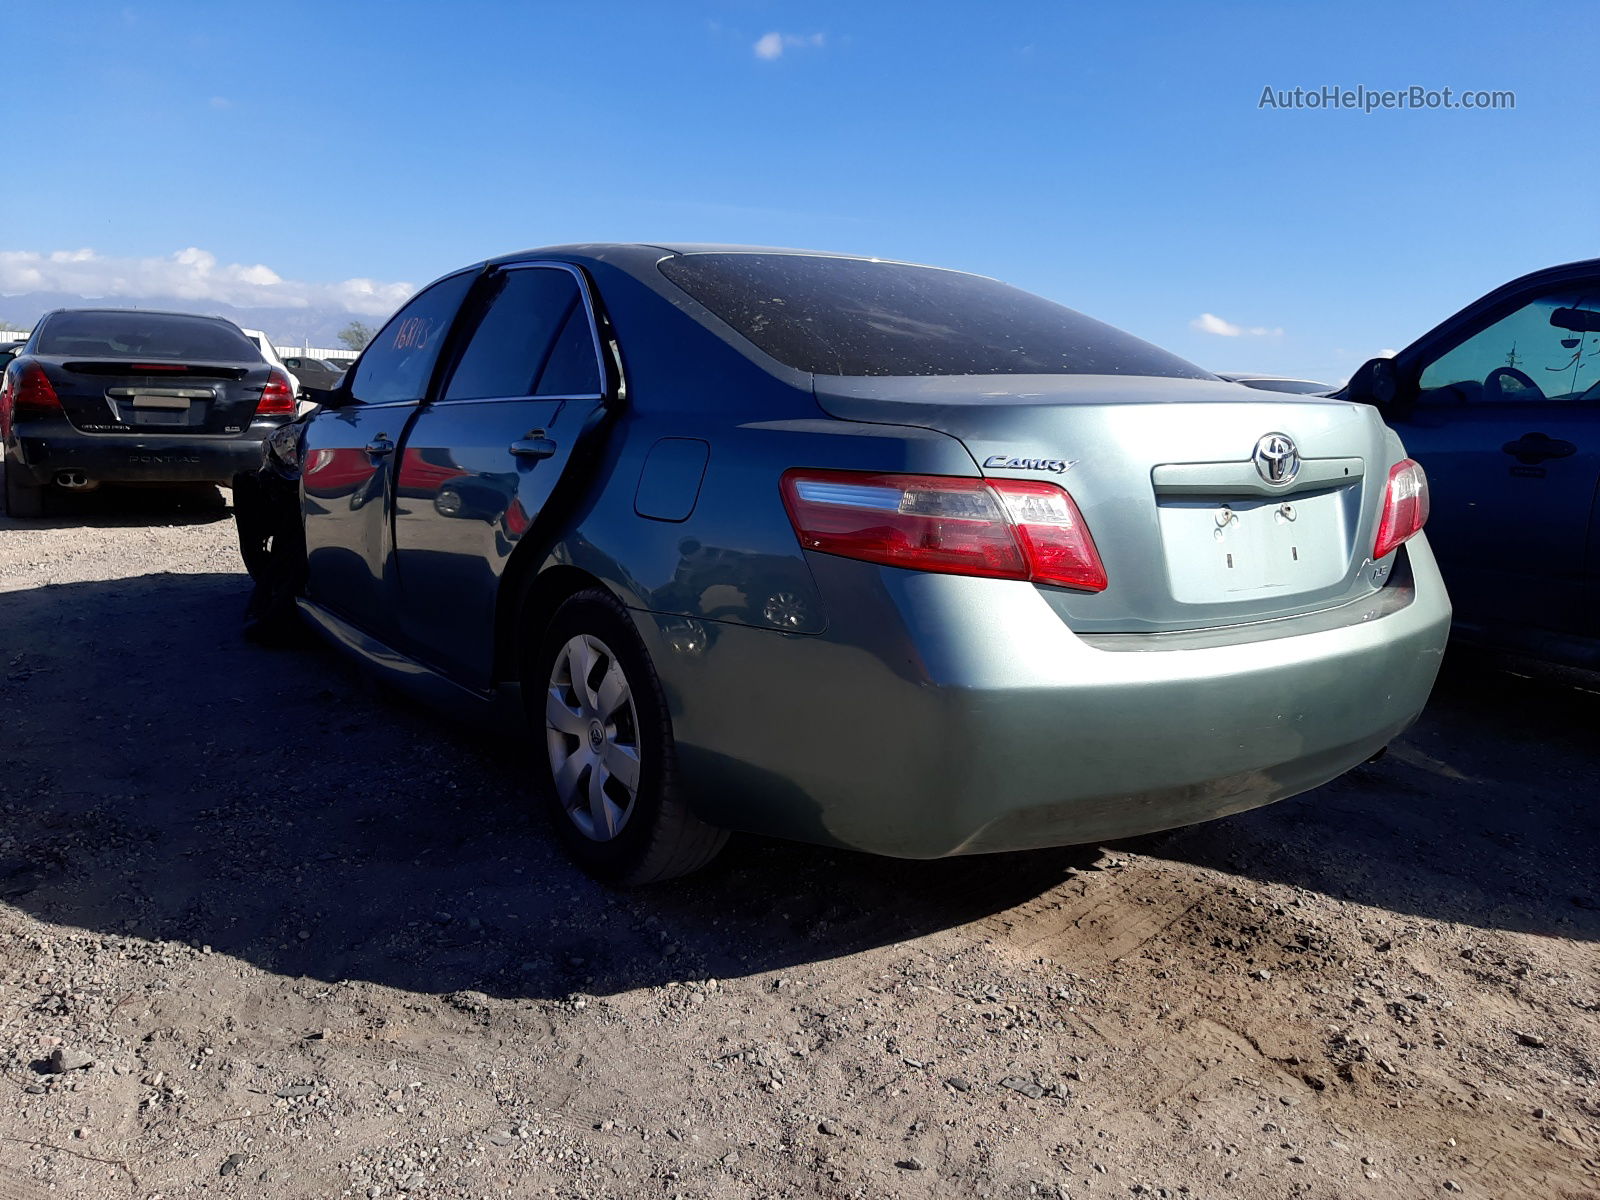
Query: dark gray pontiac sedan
x=849, y=551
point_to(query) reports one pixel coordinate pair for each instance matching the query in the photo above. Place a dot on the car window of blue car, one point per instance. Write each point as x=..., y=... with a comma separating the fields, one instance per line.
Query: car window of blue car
x=572, y=368
x=532, y=339
x=396, y=367
x=1527, y=356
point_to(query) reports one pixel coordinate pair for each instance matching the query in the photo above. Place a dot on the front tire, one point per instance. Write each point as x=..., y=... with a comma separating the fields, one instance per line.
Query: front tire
x=604, y=738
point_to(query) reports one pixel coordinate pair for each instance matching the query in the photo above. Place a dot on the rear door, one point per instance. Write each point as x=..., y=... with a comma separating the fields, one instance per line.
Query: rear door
x=480, y=462
x=1505, y=418
x=349, y=449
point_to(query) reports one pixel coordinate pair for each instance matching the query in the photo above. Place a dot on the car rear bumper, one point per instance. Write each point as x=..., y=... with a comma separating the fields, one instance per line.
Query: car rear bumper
x=940, y=715
x=40, y=457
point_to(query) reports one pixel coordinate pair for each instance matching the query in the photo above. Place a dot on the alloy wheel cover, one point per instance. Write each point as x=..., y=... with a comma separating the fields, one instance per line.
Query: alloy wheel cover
x=592, y=736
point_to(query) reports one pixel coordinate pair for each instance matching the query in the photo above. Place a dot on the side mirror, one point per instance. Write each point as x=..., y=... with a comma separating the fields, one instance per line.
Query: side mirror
x=1375, y=382
x=337, y=396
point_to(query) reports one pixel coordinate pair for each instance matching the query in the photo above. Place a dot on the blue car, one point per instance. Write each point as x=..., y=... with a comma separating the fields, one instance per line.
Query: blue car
x=1501, y=405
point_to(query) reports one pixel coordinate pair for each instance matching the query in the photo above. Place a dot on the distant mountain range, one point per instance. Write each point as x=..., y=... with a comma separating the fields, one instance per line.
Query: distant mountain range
x=285, y=326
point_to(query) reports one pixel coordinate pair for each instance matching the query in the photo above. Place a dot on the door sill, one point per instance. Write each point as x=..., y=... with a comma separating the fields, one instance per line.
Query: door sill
x=421, y=682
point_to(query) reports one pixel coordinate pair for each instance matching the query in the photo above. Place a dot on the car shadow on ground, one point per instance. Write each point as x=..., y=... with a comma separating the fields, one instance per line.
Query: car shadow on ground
x=1483, y=814
x=110, y=506
x=162, y=778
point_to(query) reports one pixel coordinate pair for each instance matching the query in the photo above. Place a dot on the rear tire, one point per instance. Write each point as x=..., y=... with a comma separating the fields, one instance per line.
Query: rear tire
x=22, y=500
x=603, y=740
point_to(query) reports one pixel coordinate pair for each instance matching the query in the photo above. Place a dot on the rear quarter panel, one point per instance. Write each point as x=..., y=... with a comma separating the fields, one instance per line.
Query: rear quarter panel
x=734, y=557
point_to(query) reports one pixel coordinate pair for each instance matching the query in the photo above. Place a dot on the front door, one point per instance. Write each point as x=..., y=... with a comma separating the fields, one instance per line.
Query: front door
x=480, y=462
x=349, y=449
x=1507, y=424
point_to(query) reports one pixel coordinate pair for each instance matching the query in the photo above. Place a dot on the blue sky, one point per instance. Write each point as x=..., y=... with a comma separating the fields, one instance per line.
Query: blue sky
x=1111, y=157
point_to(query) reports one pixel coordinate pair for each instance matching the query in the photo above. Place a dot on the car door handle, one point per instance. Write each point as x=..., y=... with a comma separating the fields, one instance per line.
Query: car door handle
x=380, y=446
x=1536, y=447
x=535, y=445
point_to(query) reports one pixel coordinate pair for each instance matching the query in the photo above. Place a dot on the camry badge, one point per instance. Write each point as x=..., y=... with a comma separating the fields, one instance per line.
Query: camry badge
x=1277, y=459
x=1010, y=462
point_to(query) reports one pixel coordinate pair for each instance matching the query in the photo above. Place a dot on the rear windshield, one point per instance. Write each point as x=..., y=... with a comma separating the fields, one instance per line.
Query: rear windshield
x=847, y=316
x=143, y=335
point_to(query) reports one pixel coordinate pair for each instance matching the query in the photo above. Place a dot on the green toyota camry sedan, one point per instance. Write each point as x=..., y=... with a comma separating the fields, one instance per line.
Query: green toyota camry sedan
x=846, y=550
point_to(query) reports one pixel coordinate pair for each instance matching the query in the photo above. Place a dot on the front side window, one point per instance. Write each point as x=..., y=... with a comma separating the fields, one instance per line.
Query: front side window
x=398, y=364
x=534, y=339
x=848, y=316
x=1548, y=349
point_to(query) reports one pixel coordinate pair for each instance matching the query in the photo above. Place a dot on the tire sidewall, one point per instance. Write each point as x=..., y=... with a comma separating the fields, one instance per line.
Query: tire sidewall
x=596, y=614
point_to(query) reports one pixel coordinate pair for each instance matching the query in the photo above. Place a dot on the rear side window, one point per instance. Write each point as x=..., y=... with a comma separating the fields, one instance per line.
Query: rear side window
x=131, y=334
x=845, y=316
x=397, y=365
x=533, y=340
x=573, y=369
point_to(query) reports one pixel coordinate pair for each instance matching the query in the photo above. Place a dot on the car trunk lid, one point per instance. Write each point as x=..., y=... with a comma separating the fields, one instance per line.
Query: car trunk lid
x=156, y=395
x=1192, y=531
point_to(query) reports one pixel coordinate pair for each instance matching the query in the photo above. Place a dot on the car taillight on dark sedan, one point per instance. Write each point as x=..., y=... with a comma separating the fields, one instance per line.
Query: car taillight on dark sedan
x=26, y=394
x=993, y=528
x=33, y=395
x=1405, y=507
x=277, y=397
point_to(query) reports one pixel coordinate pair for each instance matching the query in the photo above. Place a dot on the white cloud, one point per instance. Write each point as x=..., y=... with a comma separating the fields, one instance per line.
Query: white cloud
x=1386, y=353
x=1211, y=323
x=261, y=276
x=220, y=102
x=191, y=274
x=772, y=45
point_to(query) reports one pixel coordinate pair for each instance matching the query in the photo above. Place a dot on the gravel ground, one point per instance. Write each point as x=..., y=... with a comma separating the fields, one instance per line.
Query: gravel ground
x=268, y=931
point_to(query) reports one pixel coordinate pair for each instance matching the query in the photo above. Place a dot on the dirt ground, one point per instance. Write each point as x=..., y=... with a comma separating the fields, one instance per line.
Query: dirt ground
x=311, y=941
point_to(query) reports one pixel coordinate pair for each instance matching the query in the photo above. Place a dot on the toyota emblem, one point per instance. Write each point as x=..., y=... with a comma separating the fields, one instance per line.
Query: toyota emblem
x=1277, y=459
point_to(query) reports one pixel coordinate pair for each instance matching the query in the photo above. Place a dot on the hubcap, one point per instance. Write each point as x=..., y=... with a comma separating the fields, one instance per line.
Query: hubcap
x=592, y=732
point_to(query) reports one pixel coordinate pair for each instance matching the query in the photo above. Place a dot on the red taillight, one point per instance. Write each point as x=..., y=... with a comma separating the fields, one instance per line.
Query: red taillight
x=33, y=395
x=277, y=398
x=998, y=528
x=1405, y=507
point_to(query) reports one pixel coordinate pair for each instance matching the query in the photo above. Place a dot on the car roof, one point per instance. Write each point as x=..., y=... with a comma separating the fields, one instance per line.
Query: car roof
x=152, y=312
x=590, y=248
x=641, y=254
